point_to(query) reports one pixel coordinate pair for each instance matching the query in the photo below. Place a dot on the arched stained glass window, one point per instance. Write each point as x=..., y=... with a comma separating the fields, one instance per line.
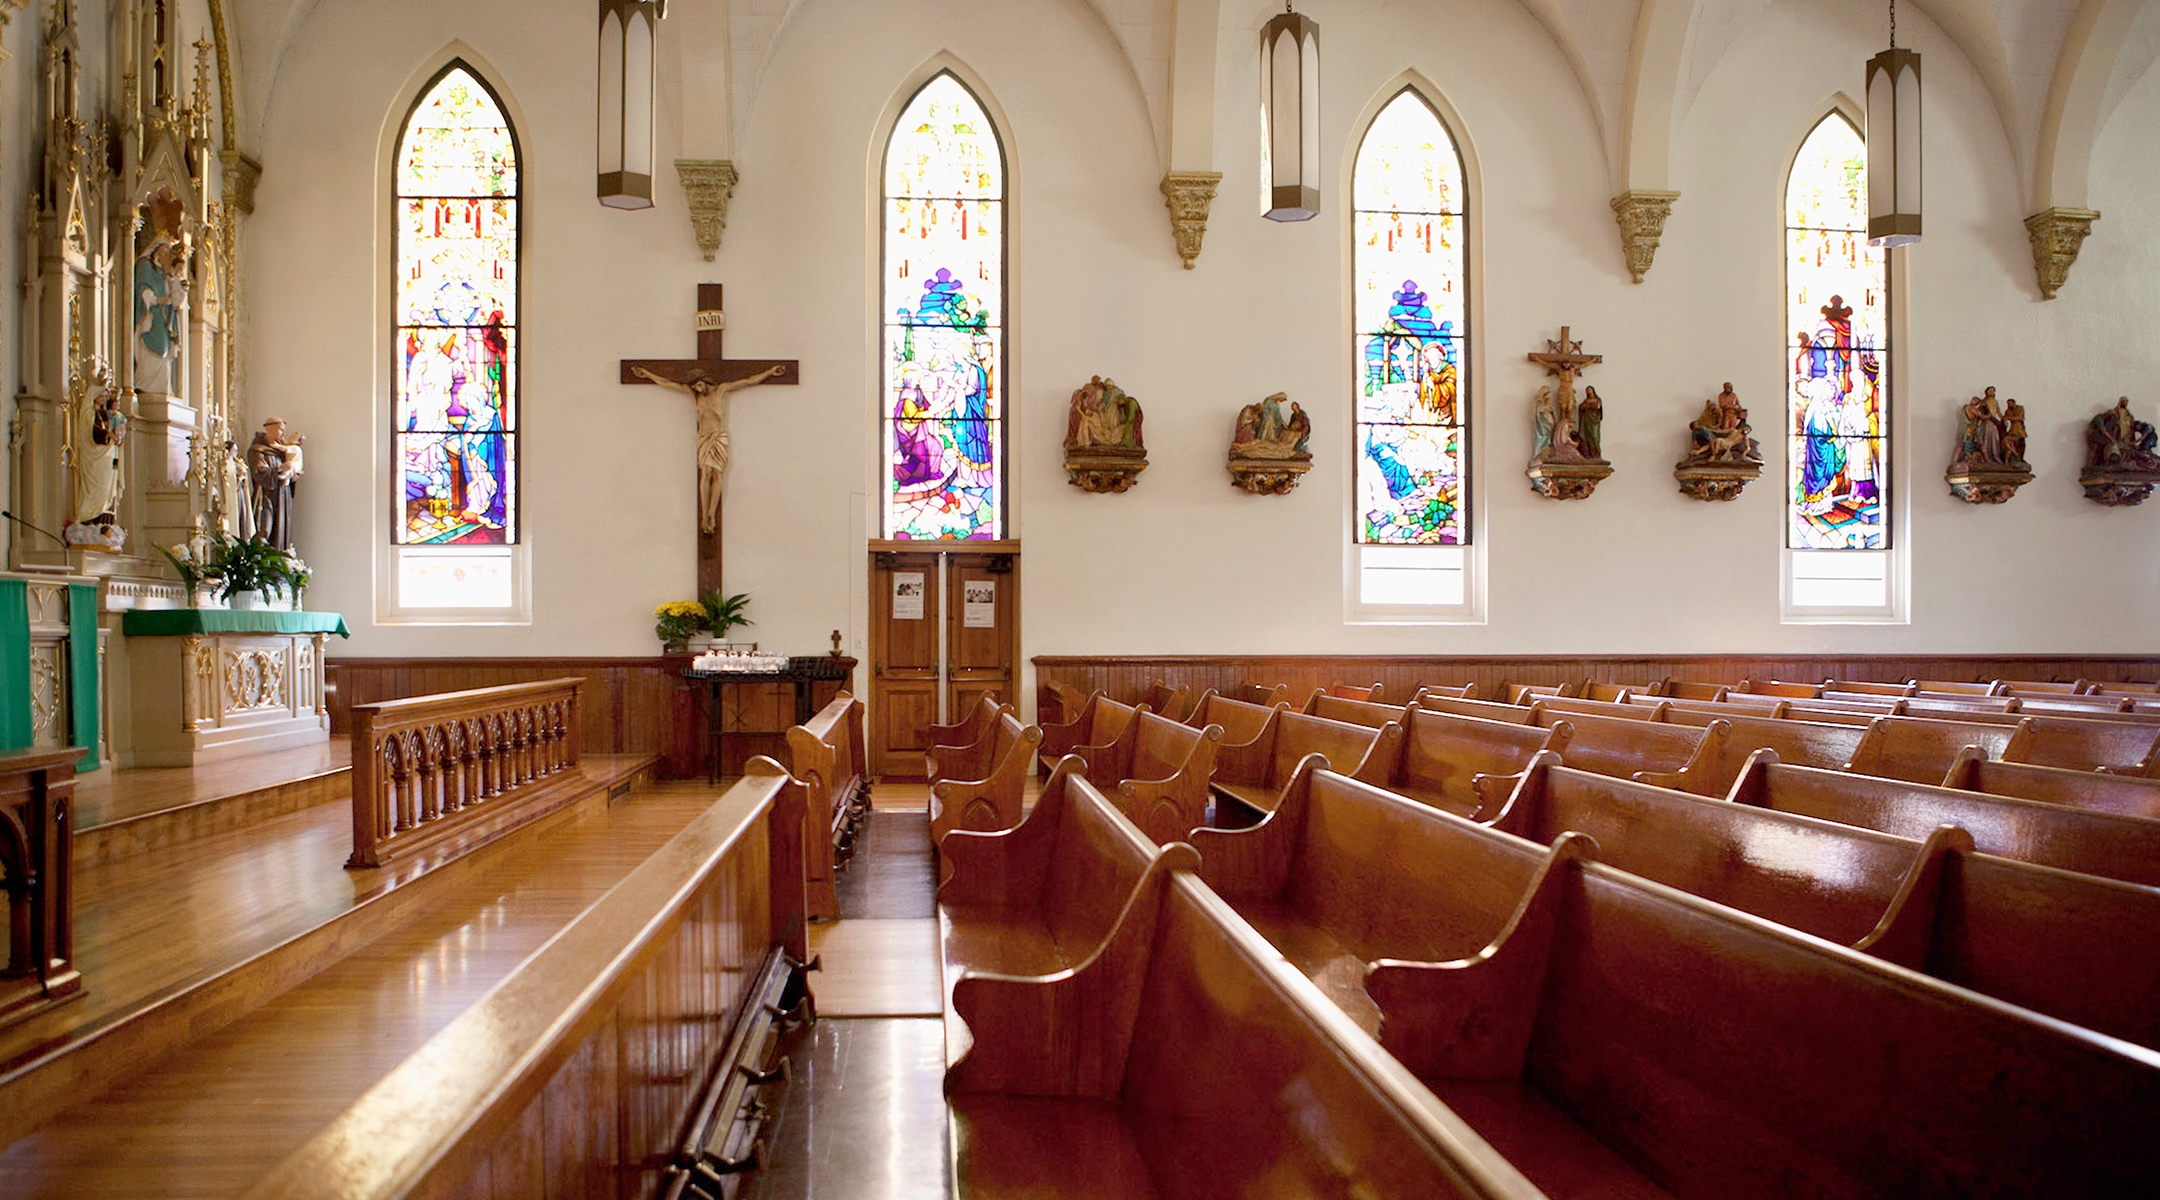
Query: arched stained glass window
x=1837, y=305
x=944, y=305
x=1410, y=276
x=455, y=358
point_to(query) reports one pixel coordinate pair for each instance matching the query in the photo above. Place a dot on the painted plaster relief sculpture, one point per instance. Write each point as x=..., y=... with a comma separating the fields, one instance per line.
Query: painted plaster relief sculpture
x=1722, y=457
x=1104, y=448
x=1990, y=465
x=2122, y=462
x=1566, y=453
x=1268, y=450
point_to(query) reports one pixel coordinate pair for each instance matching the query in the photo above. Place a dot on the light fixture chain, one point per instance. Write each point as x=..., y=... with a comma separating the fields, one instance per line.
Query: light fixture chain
x=1893, y=24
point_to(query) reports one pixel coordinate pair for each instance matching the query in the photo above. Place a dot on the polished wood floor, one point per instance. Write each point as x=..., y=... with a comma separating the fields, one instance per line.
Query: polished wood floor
x=149, y=927
x=116, y=795
x=210, y=1117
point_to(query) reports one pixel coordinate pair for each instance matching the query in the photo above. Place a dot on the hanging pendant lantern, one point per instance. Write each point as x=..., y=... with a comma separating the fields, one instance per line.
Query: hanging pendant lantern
x=1290, y=118
x=626, y=101
x=1893, y=144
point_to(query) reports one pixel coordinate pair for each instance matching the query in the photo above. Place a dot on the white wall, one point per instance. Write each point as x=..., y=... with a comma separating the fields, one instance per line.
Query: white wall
x=1184, y=563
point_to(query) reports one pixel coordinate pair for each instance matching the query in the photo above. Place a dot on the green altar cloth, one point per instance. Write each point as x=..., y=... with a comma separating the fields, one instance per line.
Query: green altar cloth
x=173, y=622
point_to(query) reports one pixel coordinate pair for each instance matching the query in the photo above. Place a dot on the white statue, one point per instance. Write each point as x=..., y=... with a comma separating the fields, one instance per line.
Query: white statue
x=97, y=463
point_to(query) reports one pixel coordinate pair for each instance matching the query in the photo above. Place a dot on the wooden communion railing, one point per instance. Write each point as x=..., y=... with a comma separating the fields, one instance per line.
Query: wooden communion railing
x=434, y=767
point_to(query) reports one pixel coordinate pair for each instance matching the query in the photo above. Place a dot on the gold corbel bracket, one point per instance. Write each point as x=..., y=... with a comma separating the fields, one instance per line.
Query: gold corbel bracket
x=708, y=183
x=1189, y=194
x=241, y=175
x=1642, y=222
x=2056, y=234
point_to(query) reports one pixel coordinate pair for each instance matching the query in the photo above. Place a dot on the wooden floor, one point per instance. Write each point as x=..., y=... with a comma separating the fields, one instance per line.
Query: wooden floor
x=116, y=795
x=152, y=926
x=209, y=1118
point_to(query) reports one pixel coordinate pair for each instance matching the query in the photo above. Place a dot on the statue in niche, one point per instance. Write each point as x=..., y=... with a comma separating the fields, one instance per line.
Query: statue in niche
x=1268, y=450
x=1104, y=449
x=2122, y=457
x=1990, y=463
x=273, y=464
x=98, y=475
x=1722, y=455
x=159, y=289
x=1567, y=454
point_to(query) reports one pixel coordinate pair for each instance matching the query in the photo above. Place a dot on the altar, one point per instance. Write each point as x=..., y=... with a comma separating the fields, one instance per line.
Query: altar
x=211, y=684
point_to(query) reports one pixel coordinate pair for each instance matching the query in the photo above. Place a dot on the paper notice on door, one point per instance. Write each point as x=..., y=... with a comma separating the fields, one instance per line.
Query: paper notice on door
x=981, y=597
x=907, y=595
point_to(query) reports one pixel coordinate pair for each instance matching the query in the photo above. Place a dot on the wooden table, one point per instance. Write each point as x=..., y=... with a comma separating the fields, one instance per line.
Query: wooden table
x=803, y=672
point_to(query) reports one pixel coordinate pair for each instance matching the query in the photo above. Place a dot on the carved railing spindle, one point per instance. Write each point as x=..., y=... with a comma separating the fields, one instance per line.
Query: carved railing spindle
x=419, y=765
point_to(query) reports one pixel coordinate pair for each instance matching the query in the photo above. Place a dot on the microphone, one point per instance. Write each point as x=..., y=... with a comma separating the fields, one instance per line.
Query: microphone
x=32, y=528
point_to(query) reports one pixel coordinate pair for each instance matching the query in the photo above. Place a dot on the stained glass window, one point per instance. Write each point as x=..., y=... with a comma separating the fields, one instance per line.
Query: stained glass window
x=455, y=357
x=944, y=328
x=1410, y=277
x=1837, y=349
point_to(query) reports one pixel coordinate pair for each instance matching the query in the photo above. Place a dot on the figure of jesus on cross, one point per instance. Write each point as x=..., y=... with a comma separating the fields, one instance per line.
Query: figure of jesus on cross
x=710, y=380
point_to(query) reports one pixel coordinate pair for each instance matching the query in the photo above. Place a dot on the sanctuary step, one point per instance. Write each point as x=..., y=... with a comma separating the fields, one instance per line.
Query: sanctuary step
x=169, y=941
x=126, y=812
x=222, y=1104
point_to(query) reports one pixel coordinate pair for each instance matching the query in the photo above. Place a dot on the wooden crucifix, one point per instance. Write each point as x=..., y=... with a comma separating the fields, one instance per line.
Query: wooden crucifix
x=709, y=380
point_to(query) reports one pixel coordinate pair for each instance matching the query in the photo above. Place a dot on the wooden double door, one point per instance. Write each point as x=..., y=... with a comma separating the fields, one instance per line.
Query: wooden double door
x=944, y=631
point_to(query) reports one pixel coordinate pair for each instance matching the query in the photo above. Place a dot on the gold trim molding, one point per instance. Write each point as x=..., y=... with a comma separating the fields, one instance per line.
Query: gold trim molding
x=1189, y=195
x=1642, y=216
x=2056, y=234
x=708, y=183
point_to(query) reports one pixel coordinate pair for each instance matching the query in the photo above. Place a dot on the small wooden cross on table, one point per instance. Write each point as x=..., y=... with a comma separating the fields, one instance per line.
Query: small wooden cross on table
x=709, y=379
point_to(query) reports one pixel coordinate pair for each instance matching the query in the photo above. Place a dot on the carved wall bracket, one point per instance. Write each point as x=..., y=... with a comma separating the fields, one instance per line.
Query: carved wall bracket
x=241, y=175
x=1980, y=486
x=1104, y=448
x=1641, y=214
x=2056, y=234
x=709, y=183
x=1189, y=193
x=1267, y=477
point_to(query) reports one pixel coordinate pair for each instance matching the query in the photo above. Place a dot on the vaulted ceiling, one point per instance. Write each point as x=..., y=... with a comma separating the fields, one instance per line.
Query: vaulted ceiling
x=2055, y=69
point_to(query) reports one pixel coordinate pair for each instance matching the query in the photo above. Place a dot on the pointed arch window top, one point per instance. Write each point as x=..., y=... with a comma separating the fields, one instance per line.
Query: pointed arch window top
x=1828, y=188
x=945, y=147
x=458, y=142
x=1407, y=162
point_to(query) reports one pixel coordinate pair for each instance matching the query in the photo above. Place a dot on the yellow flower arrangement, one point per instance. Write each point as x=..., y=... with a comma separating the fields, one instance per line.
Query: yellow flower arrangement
x=678, y=620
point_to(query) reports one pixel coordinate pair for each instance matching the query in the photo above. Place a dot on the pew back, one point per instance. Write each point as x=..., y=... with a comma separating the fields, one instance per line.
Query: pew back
x=1171, y=702
x=1352, y=712
x=1241, y=722
x=2099, y=791
x=1450, y=761
x=1921, y=749
x=1490, y=710
x=2087, y=745
x=1612, y=746
x=1808, y=743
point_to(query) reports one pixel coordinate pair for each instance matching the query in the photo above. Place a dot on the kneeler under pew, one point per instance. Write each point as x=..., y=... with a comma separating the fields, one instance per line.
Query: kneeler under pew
x=1616, y=1037
x=2069, y=945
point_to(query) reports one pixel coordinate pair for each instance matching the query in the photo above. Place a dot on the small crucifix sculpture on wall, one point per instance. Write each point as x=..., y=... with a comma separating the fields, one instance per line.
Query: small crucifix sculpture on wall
x=709, y=380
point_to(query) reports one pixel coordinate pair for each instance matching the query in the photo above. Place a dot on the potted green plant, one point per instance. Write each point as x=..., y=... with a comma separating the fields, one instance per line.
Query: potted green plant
x=199, y=576
x=252, y=569
x=723, y=613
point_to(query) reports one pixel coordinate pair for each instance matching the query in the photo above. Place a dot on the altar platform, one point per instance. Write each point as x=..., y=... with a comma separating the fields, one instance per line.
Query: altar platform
x=183, y=936
x=123, y=812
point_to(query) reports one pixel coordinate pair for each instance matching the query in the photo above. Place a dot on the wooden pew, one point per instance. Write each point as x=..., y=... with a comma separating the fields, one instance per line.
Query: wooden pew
x=1466, y=691
x=1611, y=746
x=2103, y=708
x=1464, y=765
x=1637, y=708
x=1242, y=723
x=2097, y=843
x=1686, y=689
x=1042, y=896
x=2100, y=791
x=1067, y=703
x=1779, y=687
x=2114, y=687
x=1241, y=1081
x=1490, y=710
x=1261, y=694
x=1923, y=704
x=1170, y=702
x=1805, y=742
x=2048, y=687
x=1921, y=749
x=1342, y=873
x=1861, y=687
x=1944, y=687
x=1734, y=704
x=1157, y=774
x=966, y=732
x=1098, y=724
x=2128, y=749
x=828, y=755
x=1623, y=1038
x=1255, y=775
x=1525, y=693
x=1353, y=712
x=1612, y=693
x=37, y=865
x=1822, y=713
x=2073, y=946
x=980, y=786
x=1370, y=694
